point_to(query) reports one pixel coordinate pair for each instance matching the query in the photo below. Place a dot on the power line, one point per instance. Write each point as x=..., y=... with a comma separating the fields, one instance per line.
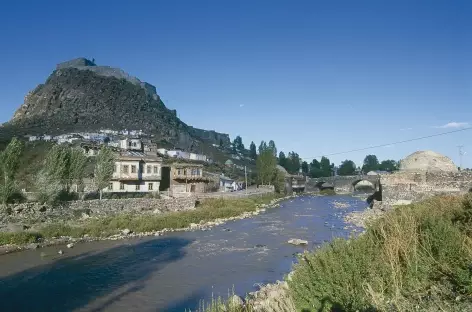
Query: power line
x=394, y=143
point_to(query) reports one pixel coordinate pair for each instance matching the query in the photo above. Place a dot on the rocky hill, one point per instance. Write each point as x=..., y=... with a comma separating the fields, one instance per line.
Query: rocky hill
x=81, y=96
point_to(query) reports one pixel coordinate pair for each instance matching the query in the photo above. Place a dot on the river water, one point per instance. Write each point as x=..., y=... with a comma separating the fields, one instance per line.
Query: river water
x=173, y=272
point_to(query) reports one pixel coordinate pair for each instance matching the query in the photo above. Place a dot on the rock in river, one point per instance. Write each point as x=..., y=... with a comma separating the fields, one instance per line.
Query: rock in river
x=297, y=242
x=70, y=245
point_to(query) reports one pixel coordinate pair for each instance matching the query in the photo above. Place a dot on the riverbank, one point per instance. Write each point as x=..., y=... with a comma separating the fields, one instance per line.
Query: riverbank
x=209, y=213
x=412, y=258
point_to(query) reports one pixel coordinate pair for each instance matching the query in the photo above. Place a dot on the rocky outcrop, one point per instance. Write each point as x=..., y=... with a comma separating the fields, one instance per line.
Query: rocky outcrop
x=80, y=96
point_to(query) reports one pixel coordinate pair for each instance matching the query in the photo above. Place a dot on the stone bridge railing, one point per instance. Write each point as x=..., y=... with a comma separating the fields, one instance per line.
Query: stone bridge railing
x=341, y=184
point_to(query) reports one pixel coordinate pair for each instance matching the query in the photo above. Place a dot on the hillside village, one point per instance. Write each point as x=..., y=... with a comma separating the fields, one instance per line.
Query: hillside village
x=143, y=166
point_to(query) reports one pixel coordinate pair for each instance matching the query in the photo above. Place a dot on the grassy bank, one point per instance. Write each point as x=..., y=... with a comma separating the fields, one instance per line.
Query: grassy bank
x=416, y=258
x=208, y=210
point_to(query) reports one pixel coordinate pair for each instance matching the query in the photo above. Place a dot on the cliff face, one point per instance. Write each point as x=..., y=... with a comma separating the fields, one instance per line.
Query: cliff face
x=80, y=96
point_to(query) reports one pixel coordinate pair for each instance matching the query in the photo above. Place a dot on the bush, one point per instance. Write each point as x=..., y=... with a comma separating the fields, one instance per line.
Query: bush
x=19, y=238
x=415, y=256
x=328, y=192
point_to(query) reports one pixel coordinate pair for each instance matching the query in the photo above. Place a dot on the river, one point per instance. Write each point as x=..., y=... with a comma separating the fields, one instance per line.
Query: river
x=173, y=272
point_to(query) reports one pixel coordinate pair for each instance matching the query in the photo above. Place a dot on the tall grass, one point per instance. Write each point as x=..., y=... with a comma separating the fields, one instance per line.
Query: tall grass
x=208, y=210
x=416, y=258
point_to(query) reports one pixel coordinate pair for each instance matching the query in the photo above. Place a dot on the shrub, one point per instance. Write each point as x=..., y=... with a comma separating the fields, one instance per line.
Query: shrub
x=329, y=192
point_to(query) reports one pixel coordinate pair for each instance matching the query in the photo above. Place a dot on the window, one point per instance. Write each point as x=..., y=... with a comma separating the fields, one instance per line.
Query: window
x=179, y=172
x=198, y=172
x=150, y=186
x=122, y=186
x=125, y=168
x=156, y=170
x=138, y=187
x=114, y=168
x=194, y=171
x=110, y=187
x=133, y=169
x=148, y=169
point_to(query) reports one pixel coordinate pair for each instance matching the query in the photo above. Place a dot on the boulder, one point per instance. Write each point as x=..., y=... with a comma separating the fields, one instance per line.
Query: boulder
x=60, y=252
x=70, y=245
x=297, y=242
x=126, y=232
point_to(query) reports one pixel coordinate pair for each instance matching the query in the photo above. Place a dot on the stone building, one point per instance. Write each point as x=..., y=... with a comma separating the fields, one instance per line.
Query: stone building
x=427, y=161
x=188, y=178
x=136, y=172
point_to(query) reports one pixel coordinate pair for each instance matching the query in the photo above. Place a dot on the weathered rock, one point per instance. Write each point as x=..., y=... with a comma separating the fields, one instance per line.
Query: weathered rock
x=70, y=245
x=126, y=231
x=297, y=242
x=60, y=252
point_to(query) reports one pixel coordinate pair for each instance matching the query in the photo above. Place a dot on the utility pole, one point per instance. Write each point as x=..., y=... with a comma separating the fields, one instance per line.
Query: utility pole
x=245, y=177
x=461, y=153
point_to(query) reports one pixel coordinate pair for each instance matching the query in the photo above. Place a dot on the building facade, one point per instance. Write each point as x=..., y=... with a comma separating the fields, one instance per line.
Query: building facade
x=136, y=172
x=188, y=178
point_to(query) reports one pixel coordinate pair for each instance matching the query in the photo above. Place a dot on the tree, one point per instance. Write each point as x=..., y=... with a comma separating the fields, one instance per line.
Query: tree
x=104, y=168
x=238, y=145
x=325, y=167
x=266, y=167
x=63, y=167
x=293, y=163
x=305, y=168
x=347, y=167
x=389, y=165
x=78, y=162
x=9, y=164
x=262, y=147
x=315, y=169
x=252, y=150
x=371, y=163
x=272, y=147
x=283, y=160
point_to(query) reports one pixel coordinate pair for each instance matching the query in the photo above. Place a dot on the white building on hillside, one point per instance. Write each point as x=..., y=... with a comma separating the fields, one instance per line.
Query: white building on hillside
x=136, y=172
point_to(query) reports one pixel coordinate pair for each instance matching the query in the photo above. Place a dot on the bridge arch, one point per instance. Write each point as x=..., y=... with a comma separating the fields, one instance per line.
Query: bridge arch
x=364, y=183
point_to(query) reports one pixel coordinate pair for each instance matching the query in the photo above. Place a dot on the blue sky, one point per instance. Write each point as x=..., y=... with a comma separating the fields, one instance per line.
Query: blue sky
x=317, y=77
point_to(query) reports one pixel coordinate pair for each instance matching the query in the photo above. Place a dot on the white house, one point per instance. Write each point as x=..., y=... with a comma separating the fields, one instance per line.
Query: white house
x=47, y=138
x=198, y=157
x=227, y=184
x=136, y=172
x=131, y=144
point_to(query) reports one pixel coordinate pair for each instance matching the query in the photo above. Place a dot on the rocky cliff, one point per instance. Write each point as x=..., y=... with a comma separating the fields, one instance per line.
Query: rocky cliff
x=81, y=96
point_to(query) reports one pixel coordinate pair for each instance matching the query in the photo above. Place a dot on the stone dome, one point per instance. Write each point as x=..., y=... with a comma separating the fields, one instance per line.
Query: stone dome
x=427, y=161
x=283, y=170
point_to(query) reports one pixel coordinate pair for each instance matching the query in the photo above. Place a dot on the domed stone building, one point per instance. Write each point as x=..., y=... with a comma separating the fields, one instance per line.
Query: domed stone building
x=427, y=161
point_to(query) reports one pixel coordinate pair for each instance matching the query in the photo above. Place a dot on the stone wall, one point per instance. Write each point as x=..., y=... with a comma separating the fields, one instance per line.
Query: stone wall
x=407, y=187
x=28, y=214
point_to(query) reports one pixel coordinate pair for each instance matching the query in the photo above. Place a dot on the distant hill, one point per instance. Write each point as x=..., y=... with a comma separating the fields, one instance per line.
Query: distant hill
x=81, y=96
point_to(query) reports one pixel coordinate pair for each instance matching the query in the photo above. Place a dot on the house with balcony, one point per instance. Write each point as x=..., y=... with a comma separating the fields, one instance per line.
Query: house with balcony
x=188, y=178
x=136, y=172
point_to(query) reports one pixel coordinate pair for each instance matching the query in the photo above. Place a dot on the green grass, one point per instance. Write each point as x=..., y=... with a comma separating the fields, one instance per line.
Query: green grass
x=208, y=210
x=415, y=258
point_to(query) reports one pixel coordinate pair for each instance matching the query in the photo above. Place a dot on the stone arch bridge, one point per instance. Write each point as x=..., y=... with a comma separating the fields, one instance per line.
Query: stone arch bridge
x=341, y=184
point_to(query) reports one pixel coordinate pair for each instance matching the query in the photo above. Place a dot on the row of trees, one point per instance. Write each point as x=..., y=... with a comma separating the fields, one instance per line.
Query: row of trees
x=63, y=171
x=371, y=163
